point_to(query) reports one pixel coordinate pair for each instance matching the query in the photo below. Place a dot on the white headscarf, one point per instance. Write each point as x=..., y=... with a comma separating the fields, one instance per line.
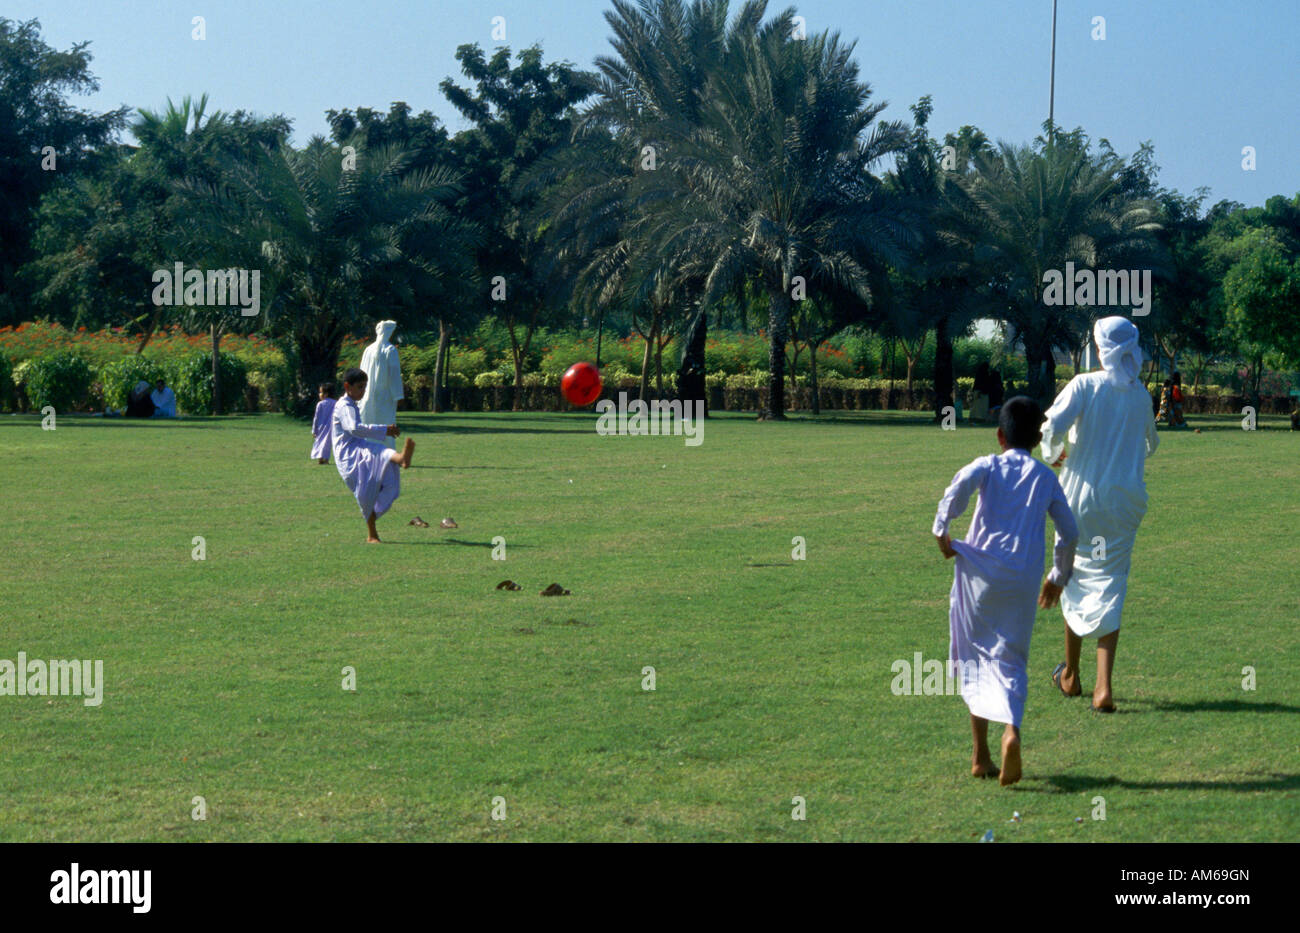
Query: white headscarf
x=1117, y=345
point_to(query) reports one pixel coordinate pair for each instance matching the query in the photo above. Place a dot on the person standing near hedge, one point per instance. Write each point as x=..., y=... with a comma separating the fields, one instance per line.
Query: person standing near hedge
x=164, y=400
x=321, y=424
x=383, y=369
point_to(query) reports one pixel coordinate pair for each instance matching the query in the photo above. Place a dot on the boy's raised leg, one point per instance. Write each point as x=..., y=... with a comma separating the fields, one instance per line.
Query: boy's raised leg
x=1102, y=698
x=981, y=763
x=1070, y=676
x=1010, y=755
x=403, y=459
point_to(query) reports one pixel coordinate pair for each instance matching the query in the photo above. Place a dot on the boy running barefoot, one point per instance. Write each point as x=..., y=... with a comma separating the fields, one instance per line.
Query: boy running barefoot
x=996, y=576
x=368, y=467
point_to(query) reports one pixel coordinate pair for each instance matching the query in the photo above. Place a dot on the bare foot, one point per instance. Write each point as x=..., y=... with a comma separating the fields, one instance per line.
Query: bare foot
x=1010, y=759
x=983, y=769
x=373, y=540
x=407, y=450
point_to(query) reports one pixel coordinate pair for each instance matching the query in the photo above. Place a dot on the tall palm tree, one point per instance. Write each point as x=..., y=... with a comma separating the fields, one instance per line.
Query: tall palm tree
x=938, y=285
x=776, y=182
x=179, y=147
x=1040, y=208
x=655, y=86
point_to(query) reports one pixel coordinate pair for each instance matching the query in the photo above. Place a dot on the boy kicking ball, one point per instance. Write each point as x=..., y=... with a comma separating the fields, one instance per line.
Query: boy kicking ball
x=369, y=468
x=995, y=578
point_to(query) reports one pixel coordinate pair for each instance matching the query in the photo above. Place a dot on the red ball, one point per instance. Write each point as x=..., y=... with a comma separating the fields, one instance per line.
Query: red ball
x=581, y=384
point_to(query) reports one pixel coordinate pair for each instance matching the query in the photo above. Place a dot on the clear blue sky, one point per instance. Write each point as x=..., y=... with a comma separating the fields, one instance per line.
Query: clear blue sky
x=1199, y=78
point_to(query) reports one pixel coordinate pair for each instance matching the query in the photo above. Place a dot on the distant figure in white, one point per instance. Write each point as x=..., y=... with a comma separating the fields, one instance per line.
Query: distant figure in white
x=1111, y=432
x=383, y=372
x=164, y=400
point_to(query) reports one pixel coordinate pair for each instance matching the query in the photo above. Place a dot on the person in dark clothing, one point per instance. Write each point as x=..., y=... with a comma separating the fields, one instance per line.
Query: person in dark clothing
x=138, y=402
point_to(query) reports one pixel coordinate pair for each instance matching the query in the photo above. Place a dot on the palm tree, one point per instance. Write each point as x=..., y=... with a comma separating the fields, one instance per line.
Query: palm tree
x=185, y=146
x=938, y=285
x=775, y=184
x=337, y=243
x=654, y=86
x=1044, y=206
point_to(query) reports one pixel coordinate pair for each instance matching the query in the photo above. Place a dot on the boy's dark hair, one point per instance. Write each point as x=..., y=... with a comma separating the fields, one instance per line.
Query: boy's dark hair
x=1177, y=378
x=1168, y=383
x=327, y=388
x=1019, y=420
x=353, y=376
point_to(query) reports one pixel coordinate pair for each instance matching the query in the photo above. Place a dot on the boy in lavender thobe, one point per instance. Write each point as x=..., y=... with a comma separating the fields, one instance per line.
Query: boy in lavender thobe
x=996, y=577
x=368, y=467
x=322, y=424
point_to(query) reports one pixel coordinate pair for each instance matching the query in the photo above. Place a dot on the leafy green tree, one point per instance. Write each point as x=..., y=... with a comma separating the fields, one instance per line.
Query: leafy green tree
x=1253, y=253
x=44, y=141
x=453, y=301
x=518, y=115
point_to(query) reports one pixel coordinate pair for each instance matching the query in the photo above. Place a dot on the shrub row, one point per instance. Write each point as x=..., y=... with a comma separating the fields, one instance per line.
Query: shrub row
x=68, y=382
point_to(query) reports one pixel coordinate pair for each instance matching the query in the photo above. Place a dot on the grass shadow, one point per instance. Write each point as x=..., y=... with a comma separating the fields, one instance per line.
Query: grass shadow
x=1085, y=783
x=488, y=429
x=459, y=541
x=1214, y=706
x=197, y=421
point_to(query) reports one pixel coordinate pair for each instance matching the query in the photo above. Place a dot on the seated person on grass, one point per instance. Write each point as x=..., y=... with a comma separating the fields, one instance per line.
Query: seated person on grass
x=164, y=400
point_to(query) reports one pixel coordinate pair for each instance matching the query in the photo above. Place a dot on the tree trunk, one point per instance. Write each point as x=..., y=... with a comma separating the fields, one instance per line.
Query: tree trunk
x=944, y=383
x=518, y=352
x=317, y=362
x=600, y=332
x=1042, y=370
x=690, y=374
x=812, y=372
x=778, y=327
x=648, y=355
x=440, y=365
x=659, y=366
x=150, y=327
x=216, y=369
x=794, y=368
x=889, y=392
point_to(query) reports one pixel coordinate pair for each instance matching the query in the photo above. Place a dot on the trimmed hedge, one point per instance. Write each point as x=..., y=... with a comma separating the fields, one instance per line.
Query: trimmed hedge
x=191, y=380
x=118, y=379
x=62, y=380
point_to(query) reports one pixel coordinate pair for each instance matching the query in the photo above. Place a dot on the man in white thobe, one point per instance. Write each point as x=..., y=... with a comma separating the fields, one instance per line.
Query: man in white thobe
x=996, y=578
x=1106, y=418
x=371, y=471
x=383, y=372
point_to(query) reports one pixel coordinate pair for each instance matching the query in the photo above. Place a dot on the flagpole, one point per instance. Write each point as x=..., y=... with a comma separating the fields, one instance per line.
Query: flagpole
x=1051, y=97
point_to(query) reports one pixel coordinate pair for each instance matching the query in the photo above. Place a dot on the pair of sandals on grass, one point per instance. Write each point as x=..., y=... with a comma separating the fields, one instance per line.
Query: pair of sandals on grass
x=1056, y=679
x=553, y=590
x=418, y=522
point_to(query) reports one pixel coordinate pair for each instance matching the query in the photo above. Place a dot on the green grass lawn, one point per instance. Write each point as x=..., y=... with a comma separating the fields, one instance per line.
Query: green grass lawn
x=223, y=676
